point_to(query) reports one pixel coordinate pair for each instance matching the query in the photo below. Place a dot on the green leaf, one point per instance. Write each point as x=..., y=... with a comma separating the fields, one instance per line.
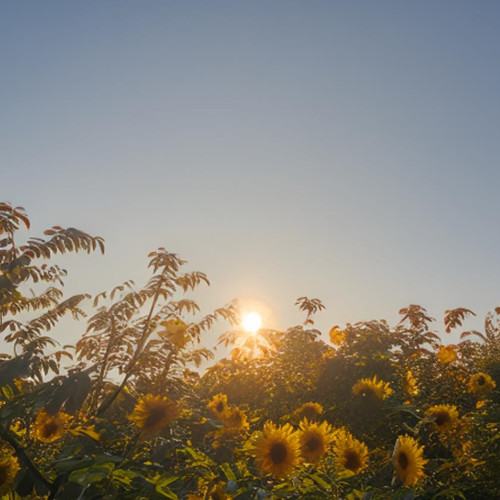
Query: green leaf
x=8, y=392
x=320, y=482
x=228, y=472
x=91, y=474
x=124, y=476
x=451, y=493
x=71, y=463
x=162, y=487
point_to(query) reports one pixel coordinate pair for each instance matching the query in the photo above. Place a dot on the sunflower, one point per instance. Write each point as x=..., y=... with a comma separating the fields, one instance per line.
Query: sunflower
x=9, y=467
x=445, y=417
x=218, y=406
x=411, y=384
x=337, y=336
x=175, y=331
x=351, y=455
x=234, y=420
x=50, y=427
x=277, y=450
x=314, y=440
x=310, y=411
x=17, y=426
x=153, y=413
x=372, y=388
x=481, y=384
x=408, y=459
x=447, y=354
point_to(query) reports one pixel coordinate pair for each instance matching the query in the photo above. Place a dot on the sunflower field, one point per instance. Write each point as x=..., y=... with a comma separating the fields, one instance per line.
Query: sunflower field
x=364, y=411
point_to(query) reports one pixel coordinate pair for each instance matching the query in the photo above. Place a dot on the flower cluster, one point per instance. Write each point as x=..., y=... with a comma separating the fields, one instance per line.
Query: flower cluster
x=232, y=417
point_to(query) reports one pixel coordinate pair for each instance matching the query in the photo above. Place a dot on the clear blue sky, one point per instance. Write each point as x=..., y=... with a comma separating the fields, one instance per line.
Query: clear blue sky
x=341, y=150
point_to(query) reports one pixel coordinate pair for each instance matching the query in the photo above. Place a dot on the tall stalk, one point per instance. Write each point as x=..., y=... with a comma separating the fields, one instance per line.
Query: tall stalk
x=140, y=346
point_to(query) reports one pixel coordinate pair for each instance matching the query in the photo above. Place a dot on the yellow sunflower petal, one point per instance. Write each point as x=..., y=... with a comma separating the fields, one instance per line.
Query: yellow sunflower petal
x=410, y=385
x=309, y=411
x=153, y=413
x=337, y=336
x=447, y=354
x=277, y=450
x=481, y=384
x=445, y=417
x=49, y=427
x=314, y=440
x=372, y=388
x=351, y=455
x=9, y=467
x=218, y=406
x=234, y=420
x=408, y=460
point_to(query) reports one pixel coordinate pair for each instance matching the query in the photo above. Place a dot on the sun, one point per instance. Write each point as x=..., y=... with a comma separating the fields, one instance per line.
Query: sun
x=251, y=322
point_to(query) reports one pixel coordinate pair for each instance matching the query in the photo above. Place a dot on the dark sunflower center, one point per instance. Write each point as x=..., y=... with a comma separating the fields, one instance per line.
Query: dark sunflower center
x=219, y=407
x=155, y=416
x=442, y=418
x=313, y=444
x=309, y=413
x=352, y=460
x=403, y=460
x=368, y=392
x=481, y=380
x=278, y=453
x=4, y=473
x=50, y=429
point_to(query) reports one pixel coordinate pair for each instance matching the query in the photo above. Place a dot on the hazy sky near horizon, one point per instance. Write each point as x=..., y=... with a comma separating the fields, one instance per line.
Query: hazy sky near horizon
x=341, y=150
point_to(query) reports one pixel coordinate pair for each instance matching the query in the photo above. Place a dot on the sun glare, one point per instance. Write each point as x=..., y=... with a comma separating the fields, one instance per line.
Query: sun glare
x=251, y=322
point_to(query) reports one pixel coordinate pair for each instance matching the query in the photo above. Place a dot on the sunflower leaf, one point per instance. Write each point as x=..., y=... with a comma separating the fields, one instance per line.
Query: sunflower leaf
x=228, y=472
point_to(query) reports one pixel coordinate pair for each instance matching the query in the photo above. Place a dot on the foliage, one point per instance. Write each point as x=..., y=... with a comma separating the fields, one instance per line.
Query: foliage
x=377, y=412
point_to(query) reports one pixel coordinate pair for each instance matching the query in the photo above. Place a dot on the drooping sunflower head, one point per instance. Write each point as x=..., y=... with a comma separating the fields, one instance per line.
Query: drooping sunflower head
x=372, y=388
x=310, y=411
x=447, y=354
x=153, y=413
x=49, y=427
x=314, y=440
x=277, y=450
x=9, y=467
x=234, y=420
x=218, y=406
x=408, y=460
x=445, y=417
x=337, y=336
x=351, y=455
x=481, y=384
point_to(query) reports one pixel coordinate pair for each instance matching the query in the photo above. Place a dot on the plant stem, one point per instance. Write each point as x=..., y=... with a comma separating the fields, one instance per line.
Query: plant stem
x=25, y=459
x=140, y=345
